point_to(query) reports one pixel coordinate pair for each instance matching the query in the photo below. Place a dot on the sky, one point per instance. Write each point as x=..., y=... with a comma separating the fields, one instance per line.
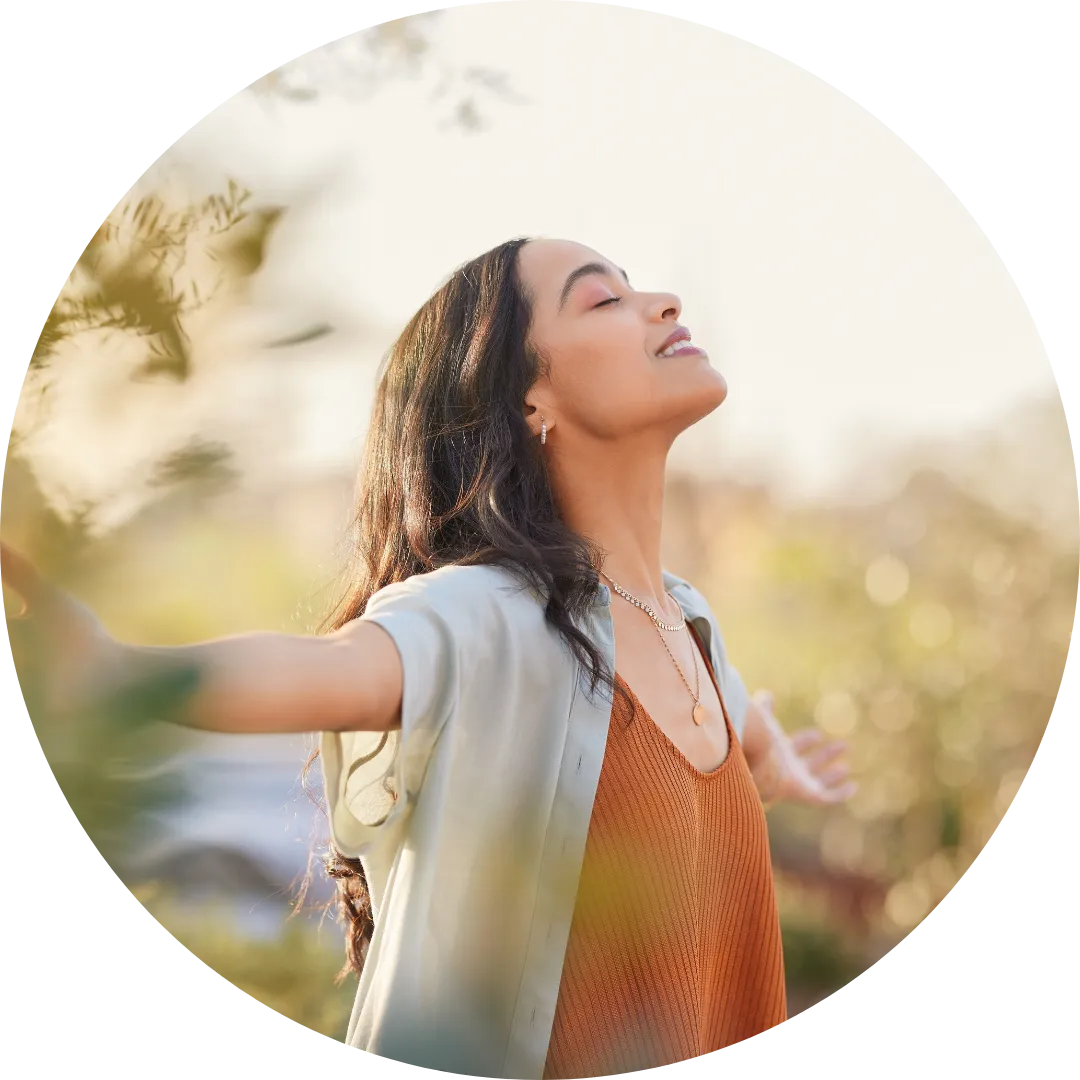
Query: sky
x=843, y=291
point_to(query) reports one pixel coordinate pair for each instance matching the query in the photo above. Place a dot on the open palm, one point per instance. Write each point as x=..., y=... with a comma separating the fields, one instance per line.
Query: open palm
x=815, y=776
x=54, y=635
x=809, y=767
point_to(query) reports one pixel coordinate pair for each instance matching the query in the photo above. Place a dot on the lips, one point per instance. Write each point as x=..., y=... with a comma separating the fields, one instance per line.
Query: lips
x=680, y=334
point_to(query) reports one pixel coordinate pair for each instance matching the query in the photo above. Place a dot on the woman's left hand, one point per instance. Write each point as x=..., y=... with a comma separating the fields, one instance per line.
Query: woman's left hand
x=801, y=767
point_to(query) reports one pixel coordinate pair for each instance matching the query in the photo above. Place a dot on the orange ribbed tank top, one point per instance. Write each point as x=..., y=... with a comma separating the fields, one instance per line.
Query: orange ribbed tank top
x=674, y=947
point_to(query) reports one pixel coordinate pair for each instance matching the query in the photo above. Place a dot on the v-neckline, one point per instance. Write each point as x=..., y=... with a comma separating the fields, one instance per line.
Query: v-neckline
x=667, y=738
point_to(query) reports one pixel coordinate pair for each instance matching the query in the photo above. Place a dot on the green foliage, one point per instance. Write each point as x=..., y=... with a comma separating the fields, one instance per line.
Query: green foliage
x=816, y=958
x=130, y=278
x=930, y=630
x=112, y=770
x=359, y=65
x=951, y=832
x=941, y=727
x=199, y=461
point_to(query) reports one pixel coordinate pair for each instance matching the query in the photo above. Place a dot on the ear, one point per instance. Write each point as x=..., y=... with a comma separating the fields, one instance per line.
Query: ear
x=536, y=411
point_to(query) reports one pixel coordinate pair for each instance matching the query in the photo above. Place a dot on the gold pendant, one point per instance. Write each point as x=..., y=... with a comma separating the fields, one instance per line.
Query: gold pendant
x=699, y=714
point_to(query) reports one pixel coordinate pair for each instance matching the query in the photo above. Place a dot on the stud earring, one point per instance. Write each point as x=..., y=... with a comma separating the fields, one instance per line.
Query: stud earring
x=543, y=431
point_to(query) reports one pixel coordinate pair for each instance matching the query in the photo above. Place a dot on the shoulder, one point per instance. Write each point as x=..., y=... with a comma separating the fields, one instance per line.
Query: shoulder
x=695, y=605
x=462, y=593
x=690, y=597
x=454, y=582
x=678, y=584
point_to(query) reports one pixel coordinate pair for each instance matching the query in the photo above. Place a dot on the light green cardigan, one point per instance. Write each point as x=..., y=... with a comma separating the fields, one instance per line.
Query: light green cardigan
x=473, y=871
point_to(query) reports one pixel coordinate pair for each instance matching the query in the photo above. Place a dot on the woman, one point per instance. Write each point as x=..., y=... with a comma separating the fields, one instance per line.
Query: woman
x=555, y=865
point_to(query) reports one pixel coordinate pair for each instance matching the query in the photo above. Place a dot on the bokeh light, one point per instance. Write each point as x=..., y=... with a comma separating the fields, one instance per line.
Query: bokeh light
x=887, y=580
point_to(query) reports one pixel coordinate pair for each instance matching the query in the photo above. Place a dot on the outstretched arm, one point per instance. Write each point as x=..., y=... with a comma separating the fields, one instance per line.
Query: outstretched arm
x=266, y=683
x=255, y=683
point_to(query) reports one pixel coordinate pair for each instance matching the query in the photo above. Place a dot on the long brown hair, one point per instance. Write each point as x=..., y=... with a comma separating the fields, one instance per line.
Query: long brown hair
x=451, y=473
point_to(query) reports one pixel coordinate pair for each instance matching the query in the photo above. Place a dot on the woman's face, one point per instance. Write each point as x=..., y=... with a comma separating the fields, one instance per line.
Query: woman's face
x=609, y=372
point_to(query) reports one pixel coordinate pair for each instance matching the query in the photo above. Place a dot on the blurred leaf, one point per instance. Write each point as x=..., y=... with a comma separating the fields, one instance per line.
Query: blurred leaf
x=205, y=463
x=408, y=37
x=816, y=958
x=244, y=247
x=467, y=116
x=497, y=82
x=54, y=331
x=162, y=360
x=302, y=337
x=950, y=824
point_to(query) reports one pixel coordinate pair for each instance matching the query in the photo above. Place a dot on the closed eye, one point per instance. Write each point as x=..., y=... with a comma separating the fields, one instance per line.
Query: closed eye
x=610, y=300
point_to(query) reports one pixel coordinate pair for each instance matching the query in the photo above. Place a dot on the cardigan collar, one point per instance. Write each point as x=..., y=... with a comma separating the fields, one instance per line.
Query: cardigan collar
x=690, y=600
x=677, y=586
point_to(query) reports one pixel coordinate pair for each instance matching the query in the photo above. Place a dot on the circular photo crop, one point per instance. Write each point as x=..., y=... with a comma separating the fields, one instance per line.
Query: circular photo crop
x=680, y=344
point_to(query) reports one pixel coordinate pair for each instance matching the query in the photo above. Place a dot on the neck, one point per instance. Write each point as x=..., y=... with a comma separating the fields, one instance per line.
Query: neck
x=614, y=495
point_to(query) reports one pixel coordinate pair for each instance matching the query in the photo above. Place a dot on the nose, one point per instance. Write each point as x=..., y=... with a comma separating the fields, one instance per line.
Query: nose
x=665, y=305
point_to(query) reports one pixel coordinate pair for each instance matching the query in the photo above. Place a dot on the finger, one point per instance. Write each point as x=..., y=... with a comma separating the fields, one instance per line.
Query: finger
x=831, y=777
x=806, y=739
x=841, y=794
x=819, y=759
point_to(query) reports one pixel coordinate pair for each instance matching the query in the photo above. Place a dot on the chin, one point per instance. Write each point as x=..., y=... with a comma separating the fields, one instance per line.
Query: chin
x=682, y=398
x=720, y=384
x=709, y=391
x=696, y=400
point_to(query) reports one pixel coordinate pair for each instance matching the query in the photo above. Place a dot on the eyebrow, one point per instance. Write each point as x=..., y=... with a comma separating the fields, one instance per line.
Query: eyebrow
x=583, y=271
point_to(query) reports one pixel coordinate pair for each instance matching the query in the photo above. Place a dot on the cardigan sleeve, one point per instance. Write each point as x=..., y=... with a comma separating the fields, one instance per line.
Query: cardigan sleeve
x=736, y=696
x=372, y=778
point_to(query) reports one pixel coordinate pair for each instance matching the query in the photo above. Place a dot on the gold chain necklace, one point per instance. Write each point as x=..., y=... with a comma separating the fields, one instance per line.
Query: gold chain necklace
x=699, y=709
x=646, y=608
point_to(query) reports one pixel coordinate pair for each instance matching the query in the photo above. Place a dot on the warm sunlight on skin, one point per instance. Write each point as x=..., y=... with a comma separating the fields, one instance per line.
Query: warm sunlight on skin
x=621, y=384
x=620, y=387
x=601, y=338
x=803, y=767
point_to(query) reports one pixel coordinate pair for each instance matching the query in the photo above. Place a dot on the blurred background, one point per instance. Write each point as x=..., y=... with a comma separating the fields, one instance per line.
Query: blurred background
x=883, y=513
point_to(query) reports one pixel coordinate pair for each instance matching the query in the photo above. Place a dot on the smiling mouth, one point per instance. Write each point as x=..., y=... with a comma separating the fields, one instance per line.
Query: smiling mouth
x=681, y=346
